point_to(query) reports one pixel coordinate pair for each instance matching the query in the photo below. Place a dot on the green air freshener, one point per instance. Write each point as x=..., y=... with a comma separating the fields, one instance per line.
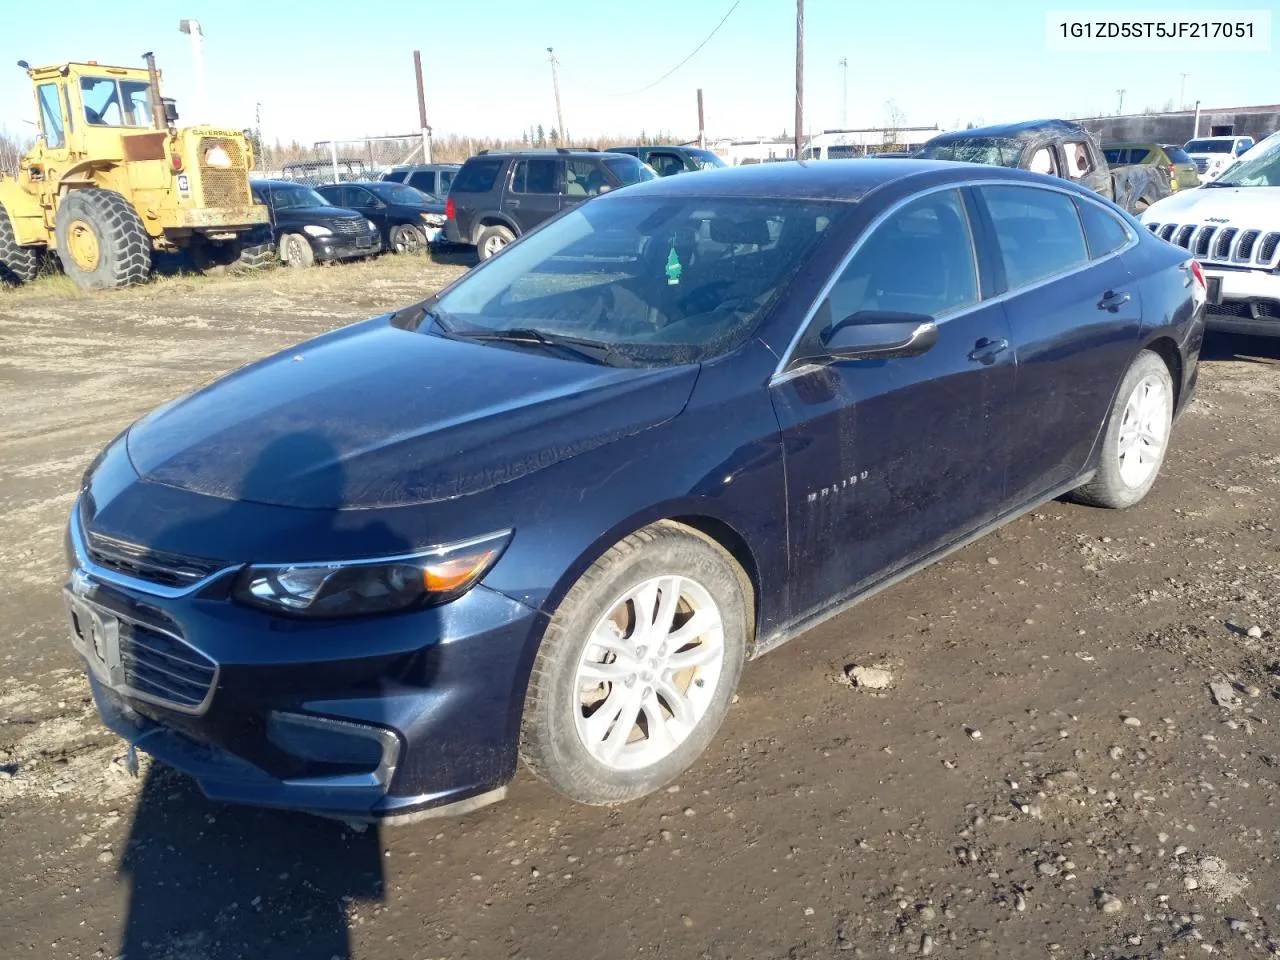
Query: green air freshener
x=673, y=267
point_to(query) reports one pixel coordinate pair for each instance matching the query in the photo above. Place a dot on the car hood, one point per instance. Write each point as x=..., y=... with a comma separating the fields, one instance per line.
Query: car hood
x=1229, y=206
x=320, y=215
x=373, y=416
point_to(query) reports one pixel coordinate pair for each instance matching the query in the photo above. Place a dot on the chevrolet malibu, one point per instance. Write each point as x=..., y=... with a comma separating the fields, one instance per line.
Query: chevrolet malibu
x=550, y=512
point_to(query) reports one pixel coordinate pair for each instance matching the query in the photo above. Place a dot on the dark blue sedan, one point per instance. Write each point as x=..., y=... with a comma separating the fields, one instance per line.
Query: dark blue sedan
x=550, y=512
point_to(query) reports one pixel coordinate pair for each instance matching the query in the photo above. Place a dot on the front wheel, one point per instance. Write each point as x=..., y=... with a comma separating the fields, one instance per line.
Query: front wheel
x=295, y=251
x=406, y=238
x=1136, y=437
x=102, y=242
x=638, y=667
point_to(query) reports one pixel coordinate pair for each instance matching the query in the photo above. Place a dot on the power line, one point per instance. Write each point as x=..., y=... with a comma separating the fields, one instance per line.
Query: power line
x=689, y=57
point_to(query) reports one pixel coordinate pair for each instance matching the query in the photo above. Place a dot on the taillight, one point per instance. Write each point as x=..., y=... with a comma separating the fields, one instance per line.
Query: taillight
x=450, y=211
x=1173, y=172
x=177, y=162
x=1198, y=272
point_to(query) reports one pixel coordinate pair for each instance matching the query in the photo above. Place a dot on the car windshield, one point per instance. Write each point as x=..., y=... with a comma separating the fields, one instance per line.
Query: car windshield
x=1261, y=168
x=1177, y=155
x=396, y=193
x=706, y=160
x=629, y=170
x=993, y=151
x=112, y=103
x=292, y=198
x=1209, y=146
x=658, y=280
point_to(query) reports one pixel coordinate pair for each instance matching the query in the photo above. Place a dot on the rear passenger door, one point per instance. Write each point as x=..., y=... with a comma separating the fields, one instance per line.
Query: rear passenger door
x=1075, y=313
x=534, y=193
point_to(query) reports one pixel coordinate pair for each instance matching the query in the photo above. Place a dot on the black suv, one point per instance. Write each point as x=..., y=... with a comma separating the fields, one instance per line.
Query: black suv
x=308, y=228
x=433, y=179
x=498, y=196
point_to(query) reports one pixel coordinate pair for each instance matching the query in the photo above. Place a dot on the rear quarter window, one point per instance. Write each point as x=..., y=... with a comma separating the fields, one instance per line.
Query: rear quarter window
x=477, y=176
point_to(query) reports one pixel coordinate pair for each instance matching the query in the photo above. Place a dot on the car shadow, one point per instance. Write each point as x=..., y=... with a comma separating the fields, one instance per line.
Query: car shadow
x=212, y=880
x=454, y=255
x=1238, y=346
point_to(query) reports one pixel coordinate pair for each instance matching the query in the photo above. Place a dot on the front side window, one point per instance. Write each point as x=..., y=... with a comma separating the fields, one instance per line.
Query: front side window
x=662, y=280
x=1102, y=230
x=629, y=170
x=666, y=164
x=1042, y=162
x=1038, y=232
x=919, y=260
x=51, y=116
x=446, y=181
x=397, y=194
x=109, y=102
x=424, y=180
x=294, y=198
x=584, y=178
x=536, y=175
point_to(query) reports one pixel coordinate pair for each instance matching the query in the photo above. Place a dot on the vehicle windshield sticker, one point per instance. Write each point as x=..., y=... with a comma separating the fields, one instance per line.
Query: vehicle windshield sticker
x=673, y=267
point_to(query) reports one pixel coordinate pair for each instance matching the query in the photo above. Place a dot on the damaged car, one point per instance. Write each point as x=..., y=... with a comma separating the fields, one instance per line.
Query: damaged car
x=550, y=512
x=1056, y=148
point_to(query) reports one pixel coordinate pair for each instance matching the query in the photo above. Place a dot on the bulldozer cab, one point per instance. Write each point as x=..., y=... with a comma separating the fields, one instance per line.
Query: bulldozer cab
x=86, y=108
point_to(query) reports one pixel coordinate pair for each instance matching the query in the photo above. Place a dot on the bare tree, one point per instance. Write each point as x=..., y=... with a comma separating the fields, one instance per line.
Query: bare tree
x=895, y=119
x=12, y=149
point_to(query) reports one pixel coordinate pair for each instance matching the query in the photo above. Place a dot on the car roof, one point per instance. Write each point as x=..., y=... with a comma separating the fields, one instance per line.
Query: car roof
x=821, y=179
x=415, y=167
x=1027, y=128
x=1229, y=136
x=551, y=152
x=283, y=183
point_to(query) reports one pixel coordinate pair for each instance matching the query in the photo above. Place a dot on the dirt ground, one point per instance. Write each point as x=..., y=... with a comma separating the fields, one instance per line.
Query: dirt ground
x=1049, y=774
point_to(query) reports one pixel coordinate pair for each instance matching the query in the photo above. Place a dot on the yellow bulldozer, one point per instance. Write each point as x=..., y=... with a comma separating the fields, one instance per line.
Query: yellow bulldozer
x=112, y=180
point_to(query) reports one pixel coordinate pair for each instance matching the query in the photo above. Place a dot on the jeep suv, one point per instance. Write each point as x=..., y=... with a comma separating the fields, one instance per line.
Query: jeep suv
x=499, y=196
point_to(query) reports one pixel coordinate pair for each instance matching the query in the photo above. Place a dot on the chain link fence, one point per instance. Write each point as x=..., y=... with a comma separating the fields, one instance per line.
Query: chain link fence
x=340, y=161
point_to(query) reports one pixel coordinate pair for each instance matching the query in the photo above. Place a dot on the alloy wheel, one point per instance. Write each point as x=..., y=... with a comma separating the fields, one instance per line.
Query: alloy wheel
x=1144, y=431
x=648, y=672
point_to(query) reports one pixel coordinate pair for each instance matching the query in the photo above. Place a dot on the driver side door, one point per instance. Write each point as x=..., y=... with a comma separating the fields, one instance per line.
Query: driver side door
x=889, y=460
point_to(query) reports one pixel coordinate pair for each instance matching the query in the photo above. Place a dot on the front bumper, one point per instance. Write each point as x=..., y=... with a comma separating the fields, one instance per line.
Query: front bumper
x=1242, y=301
x=338, y=247
x=368, y=718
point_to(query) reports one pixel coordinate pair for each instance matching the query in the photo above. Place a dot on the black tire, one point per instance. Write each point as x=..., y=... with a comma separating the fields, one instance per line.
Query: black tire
x=17, y=264
x=254, y=256
x=549, y=740
x=295, y=251
x=123, y=247
x=1109, y=487
x=492, y=240
x=406, y=238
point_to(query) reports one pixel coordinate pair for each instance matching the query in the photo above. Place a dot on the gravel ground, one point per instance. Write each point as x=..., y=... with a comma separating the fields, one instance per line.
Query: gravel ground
x=1061, y=741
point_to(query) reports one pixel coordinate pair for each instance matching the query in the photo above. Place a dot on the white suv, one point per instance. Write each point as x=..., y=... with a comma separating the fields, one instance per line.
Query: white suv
x=1214, y=154
x=1232, y=227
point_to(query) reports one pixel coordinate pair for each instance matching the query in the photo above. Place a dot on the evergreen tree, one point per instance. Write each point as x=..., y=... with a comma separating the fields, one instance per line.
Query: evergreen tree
x=539, y=138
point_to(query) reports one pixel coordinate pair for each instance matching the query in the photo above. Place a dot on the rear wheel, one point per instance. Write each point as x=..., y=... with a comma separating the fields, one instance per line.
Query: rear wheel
x=102, y=243
x=638, y=667
x=406, y=238
x=17, y=264
x=492, y=240
x=1136, y=437
x=296, y=251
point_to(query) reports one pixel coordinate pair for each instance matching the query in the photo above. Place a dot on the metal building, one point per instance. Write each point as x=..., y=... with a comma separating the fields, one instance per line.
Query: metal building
x=1179, y=126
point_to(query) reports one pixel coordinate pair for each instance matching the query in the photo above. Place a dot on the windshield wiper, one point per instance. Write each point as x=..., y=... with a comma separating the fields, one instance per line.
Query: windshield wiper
x=592, y=350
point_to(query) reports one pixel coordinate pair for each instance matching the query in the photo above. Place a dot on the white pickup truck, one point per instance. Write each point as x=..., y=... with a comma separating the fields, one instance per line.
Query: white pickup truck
x=1232, y=227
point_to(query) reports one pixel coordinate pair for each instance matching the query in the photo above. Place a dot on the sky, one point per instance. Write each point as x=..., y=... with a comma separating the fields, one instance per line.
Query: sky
x=343, y=74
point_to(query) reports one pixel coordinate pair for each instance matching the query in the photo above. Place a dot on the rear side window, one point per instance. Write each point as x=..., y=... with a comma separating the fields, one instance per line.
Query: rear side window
x=919, y=260
x=1119, y=156
x=1038, y=232
x=446, y=180
x=478, y=175
x=424, y=180
x=1102, y=229
x=536, y=175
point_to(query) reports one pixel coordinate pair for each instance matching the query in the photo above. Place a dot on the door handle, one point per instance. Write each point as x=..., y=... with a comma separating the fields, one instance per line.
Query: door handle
x=513, y=203
x=986, y=350
x=1113, y=301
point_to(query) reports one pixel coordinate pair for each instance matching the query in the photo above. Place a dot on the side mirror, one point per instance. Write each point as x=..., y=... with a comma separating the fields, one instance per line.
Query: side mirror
x=880, y=335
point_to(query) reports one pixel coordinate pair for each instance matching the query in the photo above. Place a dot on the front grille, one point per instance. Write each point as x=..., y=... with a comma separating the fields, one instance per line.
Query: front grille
x=135, y=560
x=349, y=228
x=1214, y=244
x=224, y=186
x=163, y=667
x=1202, y=164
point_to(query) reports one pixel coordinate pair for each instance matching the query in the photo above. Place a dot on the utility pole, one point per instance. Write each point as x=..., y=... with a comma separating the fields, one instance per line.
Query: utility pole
x=702, y=127
x=1182, y=92
x=1120, y=106
x=257, y=129
x=799, y=78
x=844, y=99
x=422, y=109
x=192, y=28
x=555, y=84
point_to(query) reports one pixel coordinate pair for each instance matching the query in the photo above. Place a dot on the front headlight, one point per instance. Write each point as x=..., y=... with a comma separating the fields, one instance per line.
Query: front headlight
x=316, y=231
x=434, y=219
x=372, y=226
x=362, y=587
